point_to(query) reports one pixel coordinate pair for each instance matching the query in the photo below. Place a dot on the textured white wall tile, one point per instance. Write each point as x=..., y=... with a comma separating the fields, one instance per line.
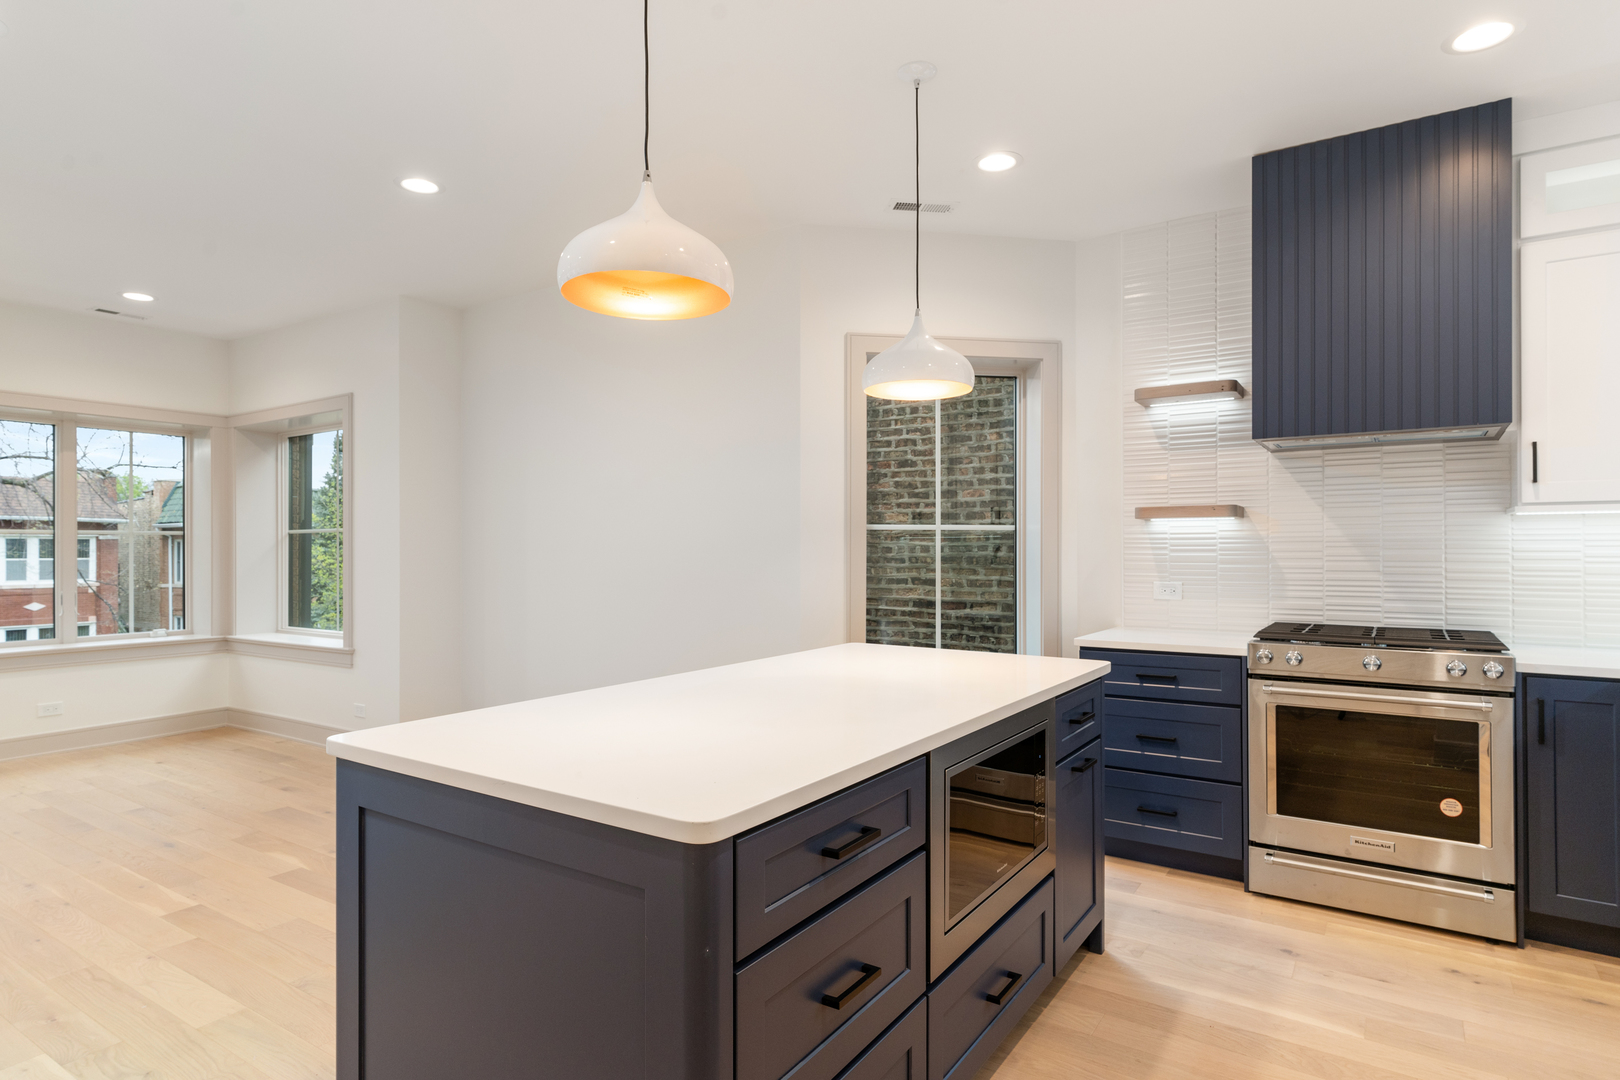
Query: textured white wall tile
x=1417, y=535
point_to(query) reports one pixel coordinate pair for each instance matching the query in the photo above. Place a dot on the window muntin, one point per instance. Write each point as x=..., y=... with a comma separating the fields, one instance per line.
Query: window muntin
x=942, y=511
x=27, y=526
x=313, y=467
x=132, y=504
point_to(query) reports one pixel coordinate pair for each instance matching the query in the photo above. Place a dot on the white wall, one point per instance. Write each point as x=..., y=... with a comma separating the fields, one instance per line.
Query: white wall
x=629, y=505
x=356, y=352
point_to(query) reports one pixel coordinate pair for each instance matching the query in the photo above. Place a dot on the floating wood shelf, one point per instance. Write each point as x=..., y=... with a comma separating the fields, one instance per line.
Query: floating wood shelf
x=1213, y=390
x=1227, y=510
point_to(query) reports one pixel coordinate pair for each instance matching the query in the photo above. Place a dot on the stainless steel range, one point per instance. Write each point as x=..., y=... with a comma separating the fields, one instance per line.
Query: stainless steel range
x=1381, y=772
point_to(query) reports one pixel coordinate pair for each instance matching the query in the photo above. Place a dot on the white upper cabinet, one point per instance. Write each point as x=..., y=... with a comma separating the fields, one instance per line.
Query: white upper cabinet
x=1569, y=445
x=1575, y=187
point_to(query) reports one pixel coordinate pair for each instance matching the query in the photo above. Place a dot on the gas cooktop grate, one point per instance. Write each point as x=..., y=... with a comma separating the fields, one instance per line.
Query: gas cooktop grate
x=1404, y=637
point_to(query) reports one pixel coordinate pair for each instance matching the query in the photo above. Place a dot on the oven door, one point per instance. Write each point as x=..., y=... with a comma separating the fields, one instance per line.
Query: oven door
x=1407, y=778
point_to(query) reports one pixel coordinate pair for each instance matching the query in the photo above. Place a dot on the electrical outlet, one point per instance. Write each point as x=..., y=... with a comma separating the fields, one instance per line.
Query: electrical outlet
x=1167, y=590
x=359, y=710
x=50, y=708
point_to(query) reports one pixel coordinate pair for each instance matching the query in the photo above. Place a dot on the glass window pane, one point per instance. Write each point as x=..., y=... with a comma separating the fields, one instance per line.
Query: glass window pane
x=315, y=538
x=900, y=588
x=979, y=446
x=27, y=518
x=978, y=591
x=899, y=462
x=131, y=500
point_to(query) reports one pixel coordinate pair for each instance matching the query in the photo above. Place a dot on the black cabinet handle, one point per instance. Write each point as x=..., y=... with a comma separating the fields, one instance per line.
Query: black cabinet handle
x=869, y=972
x=1535, y=464
x=1158, y=738
x=1012, y=981
x=1162, y=678
x=1156, y=810
x=1084, y=718
x=1541, y=721
x=1082, y=767
x=869, y=833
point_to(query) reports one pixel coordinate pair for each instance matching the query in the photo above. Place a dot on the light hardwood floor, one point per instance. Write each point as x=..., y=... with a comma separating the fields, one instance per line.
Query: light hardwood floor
x=166, y=911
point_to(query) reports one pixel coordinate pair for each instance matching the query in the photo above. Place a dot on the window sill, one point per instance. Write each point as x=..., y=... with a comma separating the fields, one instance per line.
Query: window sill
x=91, y=651
x=309, y=650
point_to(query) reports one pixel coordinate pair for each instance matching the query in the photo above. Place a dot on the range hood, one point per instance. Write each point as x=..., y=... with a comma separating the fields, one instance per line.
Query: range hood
x=1383, y=285
x=1488, y=433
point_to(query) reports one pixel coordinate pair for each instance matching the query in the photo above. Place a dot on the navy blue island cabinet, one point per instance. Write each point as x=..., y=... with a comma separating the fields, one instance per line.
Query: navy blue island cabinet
x=1571, y=734
x=479, y=937
x=1383, y=279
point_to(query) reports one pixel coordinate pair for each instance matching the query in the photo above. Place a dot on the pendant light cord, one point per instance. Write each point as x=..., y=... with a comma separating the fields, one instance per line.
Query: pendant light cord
x=916, y=91
x=646, y=93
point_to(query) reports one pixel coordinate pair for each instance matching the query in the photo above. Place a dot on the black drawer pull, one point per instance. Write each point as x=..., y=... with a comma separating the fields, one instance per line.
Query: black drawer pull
x=1541, y=721
x=1145, y=677
x=1012, y=981
x=1084, y=718
x=1083, y=766
x=869, y=972
x=869, y=833
x=1156, y=810
x=1158, y=738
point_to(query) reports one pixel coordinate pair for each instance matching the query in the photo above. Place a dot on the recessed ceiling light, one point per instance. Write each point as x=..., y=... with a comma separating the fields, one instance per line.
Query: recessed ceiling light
x=999, y=161
x=142, y=297
x=1483, y=36
x=419, y=186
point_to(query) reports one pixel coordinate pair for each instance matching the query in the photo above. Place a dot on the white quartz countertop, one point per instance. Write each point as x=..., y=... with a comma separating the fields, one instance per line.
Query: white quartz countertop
x=1205, y=642
x=1566, y=660
x=703, y=755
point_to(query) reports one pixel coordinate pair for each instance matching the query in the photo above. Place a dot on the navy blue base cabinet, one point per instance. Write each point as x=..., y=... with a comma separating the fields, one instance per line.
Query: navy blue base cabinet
x=1173, y=757
x=1571, y=735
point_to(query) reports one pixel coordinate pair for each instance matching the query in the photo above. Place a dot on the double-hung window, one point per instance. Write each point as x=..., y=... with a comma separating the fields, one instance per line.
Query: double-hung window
x=115, y=497
x=312, y=534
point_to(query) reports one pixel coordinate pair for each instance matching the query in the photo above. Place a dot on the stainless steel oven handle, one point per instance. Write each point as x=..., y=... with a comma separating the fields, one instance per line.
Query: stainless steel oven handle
x=1483, y=706
x=1485, y=895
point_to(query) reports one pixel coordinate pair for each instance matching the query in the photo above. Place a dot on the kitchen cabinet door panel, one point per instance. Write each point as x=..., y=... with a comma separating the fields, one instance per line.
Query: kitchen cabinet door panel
x=1079, y=878
x=1573, y=735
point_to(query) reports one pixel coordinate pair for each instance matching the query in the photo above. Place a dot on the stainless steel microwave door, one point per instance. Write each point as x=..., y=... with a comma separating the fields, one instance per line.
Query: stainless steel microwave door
x=996, y=814
x=1418, y=775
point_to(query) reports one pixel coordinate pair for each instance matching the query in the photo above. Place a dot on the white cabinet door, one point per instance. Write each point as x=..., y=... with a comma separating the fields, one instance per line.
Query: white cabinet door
x=1569, y=442
x=1575, y=187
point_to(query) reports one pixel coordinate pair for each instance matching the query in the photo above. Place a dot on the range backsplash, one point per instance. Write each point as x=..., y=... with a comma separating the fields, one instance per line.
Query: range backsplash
x=1416, y=535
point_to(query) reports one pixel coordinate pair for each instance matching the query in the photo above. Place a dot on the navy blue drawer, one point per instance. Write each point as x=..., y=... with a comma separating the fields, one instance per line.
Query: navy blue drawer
x=1194, y=815
x=1201, y=741
x=1201, y=680
x=1079, y=717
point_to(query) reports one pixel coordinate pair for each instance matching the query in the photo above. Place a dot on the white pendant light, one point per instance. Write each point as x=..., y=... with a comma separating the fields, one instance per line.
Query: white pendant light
x=644, y=264
x=919, y=368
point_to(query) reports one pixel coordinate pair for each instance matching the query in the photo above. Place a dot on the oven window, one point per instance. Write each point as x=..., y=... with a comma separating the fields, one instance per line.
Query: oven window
x=996, y=820
x=1378, y=771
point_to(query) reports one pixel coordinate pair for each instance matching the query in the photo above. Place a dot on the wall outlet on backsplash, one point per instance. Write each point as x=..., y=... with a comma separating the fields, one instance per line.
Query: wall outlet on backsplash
x=1167, y=590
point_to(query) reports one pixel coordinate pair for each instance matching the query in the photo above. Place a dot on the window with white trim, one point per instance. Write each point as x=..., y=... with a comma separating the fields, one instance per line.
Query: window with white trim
x=312, y=531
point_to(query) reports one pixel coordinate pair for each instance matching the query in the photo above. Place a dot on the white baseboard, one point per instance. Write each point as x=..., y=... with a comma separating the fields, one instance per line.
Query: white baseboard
x=122, y=731
x=49, y=742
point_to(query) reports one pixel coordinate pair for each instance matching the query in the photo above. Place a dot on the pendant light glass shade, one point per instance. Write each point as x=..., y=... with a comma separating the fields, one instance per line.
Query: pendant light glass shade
x=644, y=264
x=917, y=369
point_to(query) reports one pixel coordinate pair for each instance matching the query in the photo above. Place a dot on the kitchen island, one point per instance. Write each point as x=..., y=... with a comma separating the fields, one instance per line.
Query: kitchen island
x=736, y=872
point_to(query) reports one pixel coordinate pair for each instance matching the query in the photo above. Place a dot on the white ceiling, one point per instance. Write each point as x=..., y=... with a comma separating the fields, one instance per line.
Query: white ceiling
x=239, y=159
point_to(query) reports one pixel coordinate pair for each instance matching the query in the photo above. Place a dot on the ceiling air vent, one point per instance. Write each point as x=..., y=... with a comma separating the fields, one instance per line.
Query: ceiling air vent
x=927, y=207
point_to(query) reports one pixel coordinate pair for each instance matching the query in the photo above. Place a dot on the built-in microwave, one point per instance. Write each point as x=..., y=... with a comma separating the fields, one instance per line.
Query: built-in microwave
x=991, y=822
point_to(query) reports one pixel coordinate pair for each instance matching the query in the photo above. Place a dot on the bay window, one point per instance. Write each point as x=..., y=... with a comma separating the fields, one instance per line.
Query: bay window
x=312, y=464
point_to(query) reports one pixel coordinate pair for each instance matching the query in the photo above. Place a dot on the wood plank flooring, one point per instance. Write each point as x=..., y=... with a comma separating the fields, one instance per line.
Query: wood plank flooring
x=166, y=912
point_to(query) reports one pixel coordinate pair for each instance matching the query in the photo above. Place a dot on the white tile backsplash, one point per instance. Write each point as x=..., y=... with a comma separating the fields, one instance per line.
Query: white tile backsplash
x=1416, y=535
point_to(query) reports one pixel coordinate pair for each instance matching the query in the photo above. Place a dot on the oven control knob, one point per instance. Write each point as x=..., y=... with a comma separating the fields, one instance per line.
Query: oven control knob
x=1371, y=663
x=1493, y=670
x=1457, y=669
x=1262, y=656
x=1294, y=659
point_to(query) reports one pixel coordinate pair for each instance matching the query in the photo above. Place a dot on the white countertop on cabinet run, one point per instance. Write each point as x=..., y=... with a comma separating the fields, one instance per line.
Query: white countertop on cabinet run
x=1205, y=642
x=703, y=755
x=1566, y=660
